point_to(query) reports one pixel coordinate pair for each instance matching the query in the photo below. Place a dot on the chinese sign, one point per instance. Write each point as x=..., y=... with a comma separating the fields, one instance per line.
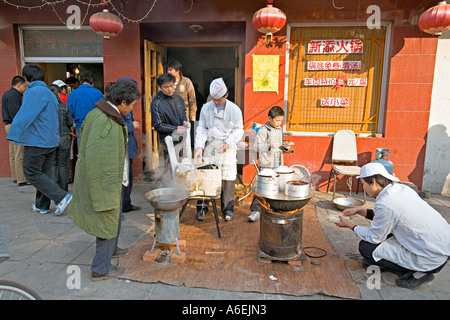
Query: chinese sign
x=334, y=102
x=335, y=46
x=265, y=72
x=355, y=82
x=334, y=65
x=62, y=43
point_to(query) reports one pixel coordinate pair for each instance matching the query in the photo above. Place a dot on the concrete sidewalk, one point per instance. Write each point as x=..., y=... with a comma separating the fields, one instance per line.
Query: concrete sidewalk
x=47, y=252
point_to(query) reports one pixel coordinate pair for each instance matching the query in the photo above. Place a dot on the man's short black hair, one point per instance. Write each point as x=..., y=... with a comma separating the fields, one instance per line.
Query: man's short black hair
x=165, y=77
x=71, y=80
x=87, y=76
x=175, y=65
x=276, y=111
x=17, y=80
x=381, y=180
x=123, y=90
x=33, y=72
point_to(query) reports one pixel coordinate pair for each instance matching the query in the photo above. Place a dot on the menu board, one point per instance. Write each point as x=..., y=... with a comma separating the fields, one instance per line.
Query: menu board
x=62, y=43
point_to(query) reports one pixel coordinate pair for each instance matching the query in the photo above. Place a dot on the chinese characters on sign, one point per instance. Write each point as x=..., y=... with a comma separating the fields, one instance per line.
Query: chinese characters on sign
x=62, y=43
x=339, y=46
x=355, y=82
x=335, y=46
x=334, y=65
x=334, y=102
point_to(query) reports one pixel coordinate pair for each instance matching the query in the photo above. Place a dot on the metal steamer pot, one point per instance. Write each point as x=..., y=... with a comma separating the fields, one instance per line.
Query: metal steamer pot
x=267, y=182
x=285, y=174
x=297, y=188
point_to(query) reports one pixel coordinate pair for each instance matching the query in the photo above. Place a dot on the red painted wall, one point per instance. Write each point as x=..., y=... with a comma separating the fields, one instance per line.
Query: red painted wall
x=410, y=77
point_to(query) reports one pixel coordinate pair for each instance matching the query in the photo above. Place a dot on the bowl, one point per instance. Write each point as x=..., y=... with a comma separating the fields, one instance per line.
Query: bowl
x=345, y=203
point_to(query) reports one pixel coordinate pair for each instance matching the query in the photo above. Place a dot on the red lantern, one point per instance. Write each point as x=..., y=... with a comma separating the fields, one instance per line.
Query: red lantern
x=269, y=20
x=436, y=20
x=106, y=24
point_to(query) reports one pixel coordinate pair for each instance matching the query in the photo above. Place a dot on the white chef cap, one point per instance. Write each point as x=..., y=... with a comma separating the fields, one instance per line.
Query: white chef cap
x=217, y=88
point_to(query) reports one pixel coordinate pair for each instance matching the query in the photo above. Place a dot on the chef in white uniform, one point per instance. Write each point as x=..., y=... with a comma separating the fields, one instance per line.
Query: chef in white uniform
x=406, y=236
x=219, y=129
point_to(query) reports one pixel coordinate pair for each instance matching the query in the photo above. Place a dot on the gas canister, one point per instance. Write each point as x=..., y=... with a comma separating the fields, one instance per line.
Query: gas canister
x=382, y=156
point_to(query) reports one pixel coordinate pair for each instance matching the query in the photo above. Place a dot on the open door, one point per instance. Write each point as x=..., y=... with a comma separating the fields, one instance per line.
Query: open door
x=153, y=65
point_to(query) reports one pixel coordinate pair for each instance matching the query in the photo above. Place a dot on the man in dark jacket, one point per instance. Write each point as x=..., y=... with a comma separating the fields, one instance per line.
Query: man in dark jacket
x=11, y=102
x=168, y=112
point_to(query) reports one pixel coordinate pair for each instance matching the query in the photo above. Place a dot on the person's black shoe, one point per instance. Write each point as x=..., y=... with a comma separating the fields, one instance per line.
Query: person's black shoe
x=201, y=211
x=132, y=208
x=413, y=283
x=228, y=215
x=24, y=184
x=201, y=215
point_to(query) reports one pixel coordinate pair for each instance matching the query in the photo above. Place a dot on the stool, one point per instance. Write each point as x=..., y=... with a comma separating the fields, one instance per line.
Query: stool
x=213, y=200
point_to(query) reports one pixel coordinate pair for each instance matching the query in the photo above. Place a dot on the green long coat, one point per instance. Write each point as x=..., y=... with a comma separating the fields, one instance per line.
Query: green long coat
x=97, y=186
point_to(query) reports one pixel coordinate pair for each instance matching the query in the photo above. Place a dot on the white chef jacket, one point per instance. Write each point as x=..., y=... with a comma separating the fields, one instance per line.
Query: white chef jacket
x=421, y=239
x=218, y=125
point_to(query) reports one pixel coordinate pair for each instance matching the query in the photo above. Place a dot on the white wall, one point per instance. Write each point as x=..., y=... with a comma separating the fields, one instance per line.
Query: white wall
x=436, y=178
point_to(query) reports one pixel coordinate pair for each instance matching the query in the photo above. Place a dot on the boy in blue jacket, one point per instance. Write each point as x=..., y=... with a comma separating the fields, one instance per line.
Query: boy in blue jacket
x=36, y=127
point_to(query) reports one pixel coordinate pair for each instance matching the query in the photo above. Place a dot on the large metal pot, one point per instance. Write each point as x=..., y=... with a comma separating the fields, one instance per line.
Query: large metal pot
x=285, y=174
x=267, y=182
x=282, y=203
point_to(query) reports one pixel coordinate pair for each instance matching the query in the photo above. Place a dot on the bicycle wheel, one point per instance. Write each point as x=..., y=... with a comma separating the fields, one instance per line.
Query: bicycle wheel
x=10, y=290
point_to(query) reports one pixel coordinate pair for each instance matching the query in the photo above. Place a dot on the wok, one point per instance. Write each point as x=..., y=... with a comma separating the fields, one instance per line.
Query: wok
x=283, y=203
x=167, y=198
x=345, y=203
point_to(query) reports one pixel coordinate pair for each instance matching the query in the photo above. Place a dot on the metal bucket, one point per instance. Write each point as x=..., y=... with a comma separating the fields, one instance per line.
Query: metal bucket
x=281, y=234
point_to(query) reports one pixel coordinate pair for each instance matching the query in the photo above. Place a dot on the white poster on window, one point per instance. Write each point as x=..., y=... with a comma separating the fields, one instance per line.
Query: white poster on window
x=335, y=46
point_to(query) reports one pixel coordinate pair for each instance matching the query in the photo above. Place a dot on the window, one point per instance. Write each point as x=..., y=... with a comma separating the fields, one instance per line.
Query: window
x=335, y=79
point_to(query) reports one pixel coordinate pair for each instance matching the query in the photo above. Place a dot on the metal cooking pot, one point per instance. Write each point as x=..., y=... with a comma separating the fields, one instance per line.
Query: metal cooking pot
x=297, y=188
x=285, y=174
x=267, y=182
x=167, y=198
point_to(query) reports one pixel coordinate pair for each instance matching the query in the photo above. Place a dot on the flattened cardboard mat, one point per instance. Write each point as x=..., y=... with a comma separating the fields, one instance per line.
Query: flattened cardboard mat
x=231, y=262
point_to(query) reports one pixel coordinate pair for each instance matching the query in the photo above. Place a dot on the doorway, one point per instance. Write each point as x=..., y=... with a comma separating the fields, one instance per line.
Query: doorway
x=201, y=63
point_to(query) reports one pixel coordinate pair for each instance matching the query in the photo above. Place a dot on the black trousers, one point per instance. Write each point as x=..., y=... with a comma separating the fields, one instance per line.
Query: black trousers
x=61, y=161
x=37, y=167
x=366, y=249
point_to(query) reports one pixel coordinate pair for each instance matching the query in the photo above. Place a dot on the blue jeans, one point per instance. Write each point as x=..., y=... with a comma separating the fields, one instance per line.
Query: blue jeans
x=37, y=167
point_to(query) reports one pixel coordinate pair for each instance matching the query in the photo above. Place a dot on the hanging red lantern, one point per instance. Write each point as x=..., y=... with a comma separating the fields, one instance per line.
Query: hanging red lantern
x=436, y=20
x=106, y=24
x=269, y=20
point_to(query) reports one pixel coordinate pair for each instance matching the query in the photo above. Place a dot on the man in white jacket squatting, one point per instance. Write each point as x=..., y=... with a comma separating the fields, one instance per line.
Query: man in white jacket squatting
x=407, y=236
x=220, y=128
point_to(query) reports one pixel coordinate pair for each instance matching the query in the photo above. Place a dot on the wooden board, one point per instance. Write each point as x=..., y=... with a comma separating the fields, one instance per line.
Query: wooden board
x=231, y=262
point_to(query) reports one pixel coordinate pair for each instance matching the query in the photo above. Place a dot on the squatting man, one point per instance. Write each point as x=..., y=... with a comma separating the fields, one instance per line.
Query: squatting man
x=407, y=236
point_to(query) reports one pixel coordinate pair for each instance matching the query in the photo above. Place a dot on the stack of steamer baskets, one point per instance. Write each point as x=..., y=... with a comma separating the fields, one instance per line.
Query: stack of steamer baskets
x=283, y=193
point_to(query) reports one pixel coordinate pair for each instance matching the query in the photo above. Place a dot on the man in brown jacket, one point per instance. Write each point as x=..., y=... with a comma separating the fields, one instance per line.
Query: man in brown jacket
x=185, y=88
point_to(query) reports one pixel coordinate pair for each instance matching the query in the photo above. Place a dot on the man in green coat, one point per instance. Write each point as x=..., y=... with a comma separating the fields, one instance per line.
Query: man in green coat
x=99, y=175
